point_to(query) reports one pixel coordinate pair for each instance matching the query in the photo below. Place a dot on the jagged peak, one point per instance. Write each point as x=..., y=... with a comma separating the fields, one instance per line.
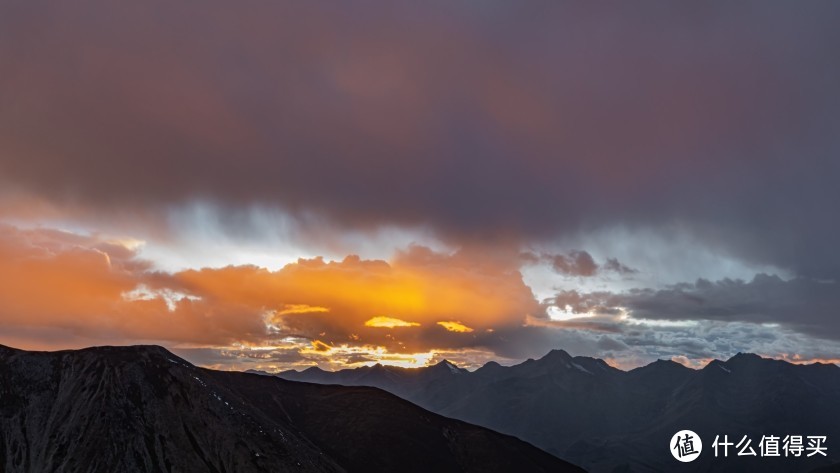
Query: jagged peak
x=446, y=365
x=557, y=354
x=379, y=367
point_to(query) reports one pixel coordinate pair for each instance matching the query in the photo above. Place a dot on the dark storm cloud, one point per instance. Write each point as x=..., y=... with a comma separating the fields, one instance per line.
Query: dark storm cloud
x=478, y=119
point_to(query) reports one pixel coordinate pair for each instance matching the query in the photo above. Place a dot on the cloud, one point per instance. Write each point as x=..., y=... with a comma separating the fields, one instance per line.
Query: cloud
x=629, y=343
x=82, y=284
x=576, y=263
x=802, y=304
x=616, y=266
x=100, y=289
x=475, y=128
x=586, y=323
x=417, y=289
x=319, y=127
x=63, y=289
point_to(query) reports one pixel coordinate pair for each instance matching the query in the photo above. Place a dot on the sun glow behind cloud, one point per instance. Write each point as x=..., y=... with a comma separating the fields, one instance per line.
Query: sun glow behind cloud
x=366, y=355
x=102, y=288
x=397, y=182
x=312, y=311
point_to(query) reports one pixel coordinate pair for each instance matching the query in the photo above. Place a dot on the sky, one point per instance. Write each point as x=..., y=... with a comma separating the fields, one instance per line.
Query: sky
x=275, y=185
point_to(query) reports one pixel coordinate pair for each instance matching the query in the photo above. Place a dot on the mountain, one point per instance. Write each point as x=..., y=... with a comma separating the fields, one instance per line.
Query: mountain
x=143, y=409
x=609, y=420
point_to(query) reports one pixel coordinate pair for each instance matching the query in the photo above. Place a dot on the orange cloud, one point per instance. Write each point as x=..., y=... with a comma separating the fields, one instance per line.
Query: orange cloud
x=85, y=286
x=98, y=289
x=418, y=286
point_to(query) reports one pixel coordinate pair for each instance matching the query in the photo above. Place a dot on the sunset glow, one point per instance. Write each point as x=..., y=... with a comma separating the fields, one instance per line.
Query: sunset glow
x=285, y=198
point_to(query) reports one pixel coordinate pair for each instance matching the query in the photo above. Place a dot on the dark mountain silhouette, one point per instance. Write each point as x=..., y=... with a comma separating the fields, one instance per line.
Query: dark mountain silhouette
x=130, y=409
x=607, y=420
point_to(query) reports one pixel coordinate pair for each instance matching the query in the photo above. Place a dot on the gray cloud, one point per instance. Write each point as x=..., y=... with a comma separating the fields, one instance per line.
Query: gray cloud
x=614, y=265
x=576, y=263
x=805, y=305
x=714, y=339
x=635, y=344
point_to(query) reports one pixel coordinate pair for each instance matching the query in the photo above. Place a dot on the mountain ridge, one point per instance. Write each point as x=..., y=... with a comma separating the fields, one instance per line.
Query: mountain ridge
x=551, y=355
x=606, y=419
x=142, y=408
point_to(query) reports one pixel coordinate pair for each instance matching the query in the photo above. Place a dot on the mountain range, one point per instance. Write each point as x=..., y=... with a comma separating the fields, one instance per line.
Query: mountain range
x=609, y=420
x=143, y=409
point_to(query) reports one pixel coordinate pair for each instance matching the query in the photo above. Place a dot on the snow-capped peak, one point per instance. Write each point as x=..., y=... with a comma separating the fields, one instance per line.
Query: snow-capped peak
x=452, y=368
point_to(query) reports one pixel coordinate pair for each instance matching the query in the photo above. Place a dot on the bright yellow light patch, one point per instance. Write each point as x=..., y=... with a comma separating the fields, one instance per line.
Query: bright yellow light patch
x=410, y=360
x=320, y=346
x=389, y=322
x=301, y=309
x=455, y=327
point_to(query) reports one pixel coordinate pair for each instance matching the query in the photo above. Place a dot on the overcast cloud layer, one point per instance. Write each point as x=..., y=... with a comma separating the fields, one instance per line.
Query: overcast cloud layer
x=471, y=143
